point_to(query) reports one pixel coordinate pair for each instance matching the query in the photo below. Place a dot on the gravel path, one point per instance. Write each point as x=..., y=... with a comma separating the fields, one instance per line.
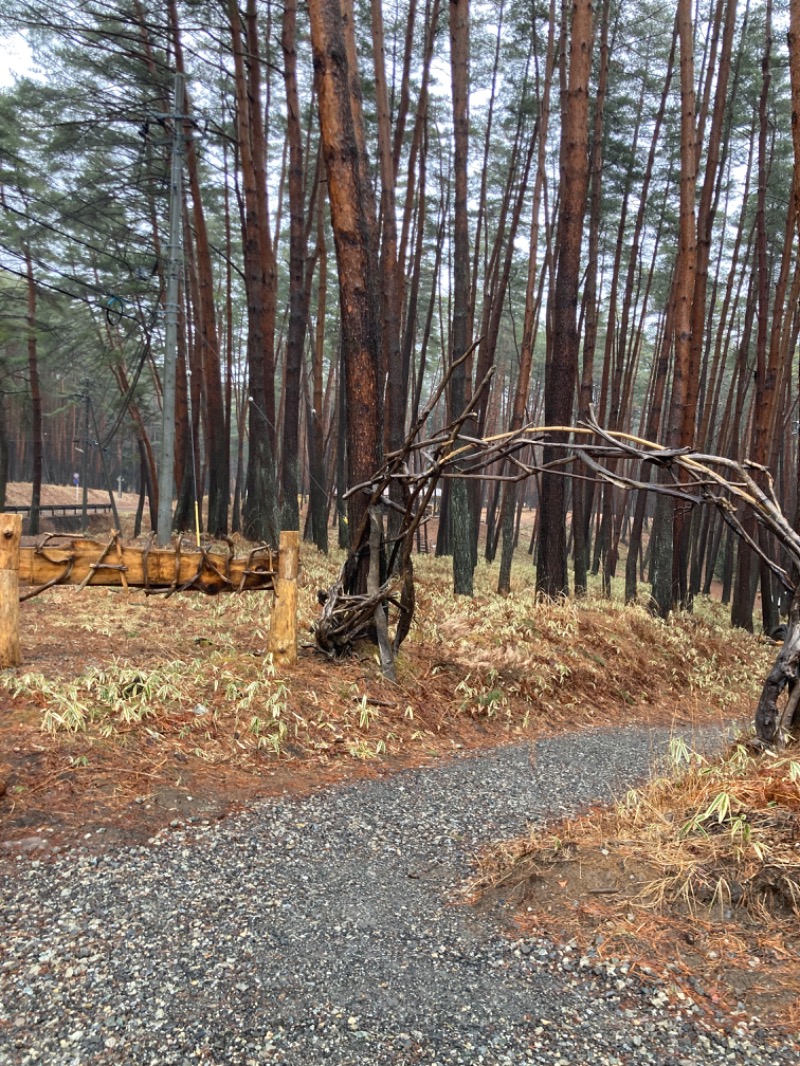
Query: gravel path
x=318, y=930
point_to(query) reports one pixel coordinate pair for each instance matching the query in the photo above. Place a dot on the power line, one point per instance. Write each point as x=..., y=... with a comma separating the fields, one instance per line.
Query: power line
x=67, y=236
x=97, y=289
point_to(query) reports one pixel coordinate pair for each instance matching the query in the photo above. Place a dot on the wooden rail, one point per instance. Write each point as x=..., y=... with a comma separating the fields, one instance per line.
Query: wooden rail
x=58, y=559
x=58, y=508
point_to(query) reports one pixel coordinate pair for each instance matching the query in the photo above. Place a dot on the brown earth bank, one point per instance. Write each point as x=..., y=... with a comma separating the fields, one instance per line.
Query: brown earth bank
x=18, y=494
x=696, y=874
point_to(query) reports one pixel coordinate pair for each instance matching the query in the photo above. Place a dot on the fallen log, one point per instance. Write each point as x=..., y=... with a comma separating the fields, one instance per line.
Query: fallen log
x=64, y=560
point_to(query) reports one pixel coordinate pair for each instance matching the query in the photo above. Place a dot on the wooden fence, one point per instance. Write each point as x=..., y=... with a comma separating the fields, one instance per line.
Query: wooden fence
x=58, y=559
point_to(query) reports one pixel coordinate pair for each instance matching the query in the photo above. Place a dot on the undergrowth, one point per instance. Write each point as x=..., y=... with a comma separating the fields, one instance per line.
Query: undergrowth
x=708, y=837
x=696, y=872
x=722, y=832
x=202, y=672
x=182, y=695
x=556, y=650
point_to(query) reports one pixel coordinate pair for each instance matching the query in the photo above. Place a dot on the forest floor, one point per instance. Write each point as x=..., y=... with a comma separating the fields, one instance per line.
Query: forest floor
x=132, y=716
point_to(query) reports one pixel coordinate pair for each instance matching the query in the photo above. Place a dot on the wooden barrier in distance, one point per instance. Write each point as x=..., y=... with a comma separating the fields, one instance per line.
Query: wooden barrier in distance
x=65, y=560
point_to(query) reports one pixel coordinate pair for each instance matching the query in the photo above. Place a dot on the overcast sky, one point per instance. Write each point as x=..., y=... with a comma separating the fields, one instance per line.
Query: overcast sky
x=15, y=58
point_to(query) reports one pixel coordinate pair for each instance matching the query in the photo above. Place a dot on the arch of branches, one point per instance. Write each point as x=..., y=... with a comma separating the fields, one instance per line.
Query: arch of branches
x=412, y=473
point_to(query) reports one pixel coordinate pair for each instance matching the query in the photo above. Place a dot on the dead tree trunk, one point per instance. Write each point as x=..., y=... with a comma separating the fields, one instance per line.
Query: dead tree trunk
x=772, y=720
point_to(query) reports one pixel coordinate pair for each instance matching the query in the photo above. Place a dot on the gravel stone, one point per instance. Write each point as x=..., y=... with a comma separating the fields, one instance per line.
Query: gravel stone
x=324, y=930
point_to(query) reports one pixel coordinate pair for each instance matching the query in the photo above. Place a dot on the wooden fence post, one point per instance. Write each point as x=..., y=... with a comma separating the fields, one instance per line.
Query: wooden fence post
x=10, y=533
x=283, y=627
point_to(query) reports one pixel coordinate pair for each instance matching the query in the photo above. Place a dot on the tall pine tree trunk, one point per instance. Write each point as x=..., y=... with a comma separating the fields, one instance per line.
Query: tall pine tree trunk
x=36, y=401
x=259, y=513
x=460, y=518
x=353, y=228
x=298, y=289
x=665, y=594
x=560, y=373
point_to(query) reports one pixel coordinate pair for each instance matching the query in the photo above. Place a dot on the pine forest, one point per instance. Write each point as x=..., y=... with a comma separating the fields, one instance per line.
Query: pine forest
x=596, y=203
x=400, y=532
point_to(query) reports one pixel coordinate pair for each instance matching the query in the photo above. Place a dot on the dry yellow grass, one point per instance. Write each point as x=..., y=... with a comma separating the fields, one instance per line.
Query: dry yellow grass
x=699, y=870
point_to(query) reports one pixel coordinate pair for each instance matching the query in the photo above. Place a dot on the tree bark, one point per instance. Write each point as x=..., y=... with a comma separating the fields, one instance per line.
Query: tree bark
x=298, y=288
x=352, y=229
x=560, y=373
x=259, y=518
x=316, y=437
x=214, y=425
x=581, y=497
x=36, y=400
x=395, y=405
x=460, y=518
x=533, y=300
x=669, y=528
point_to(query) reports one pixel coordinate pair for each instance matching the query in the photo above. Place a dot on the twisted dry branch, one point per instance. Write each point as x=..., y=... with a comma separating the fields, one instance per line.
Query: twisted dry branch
x=732, y=486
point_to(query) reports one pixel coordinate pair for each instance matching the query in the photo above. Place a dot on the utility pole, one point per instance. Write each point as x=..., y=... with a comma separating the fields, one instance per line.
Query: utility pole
x=166, y=475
